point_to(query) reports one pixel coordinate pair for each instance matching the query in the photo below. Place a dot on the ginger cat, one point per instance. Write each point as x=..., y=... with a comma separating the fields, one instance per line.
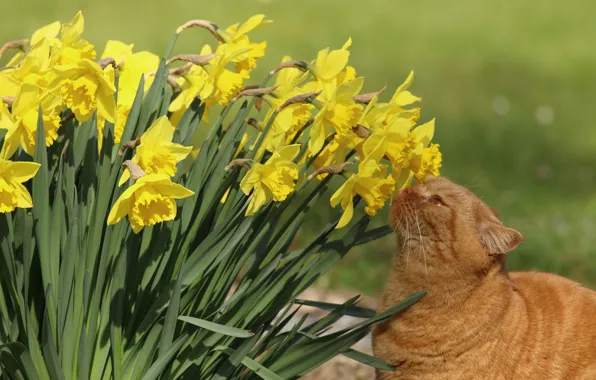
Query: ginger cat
x=477, y=321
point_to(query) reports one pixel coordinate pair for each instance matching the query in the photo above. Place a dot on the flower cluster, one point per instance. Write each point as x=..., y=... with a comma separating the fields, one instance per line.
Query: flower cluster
x=315, y=114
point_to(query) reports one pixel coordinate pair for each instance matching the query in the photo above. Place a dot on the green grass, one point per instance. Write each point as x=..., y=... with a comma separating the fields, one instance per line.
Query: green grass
x=541, y=178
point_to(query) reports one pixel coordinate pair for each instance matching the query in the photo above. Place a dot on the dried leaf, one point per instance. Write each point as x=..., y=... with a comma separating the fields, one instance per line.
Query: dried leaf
x=259, y=104
x=366, y=98
x=238, y=162
x=254, y=123
x=297, y=64
x=132, y=144
x=331, y=169
x=135, y=170
x=210, y=26
x=195, y=59
x=105, y=62
x=179, y=70
x=258, y=91
x=8, y=100
x=18, y=44
x=302, y=98
x=361, y=131
x=172, y=81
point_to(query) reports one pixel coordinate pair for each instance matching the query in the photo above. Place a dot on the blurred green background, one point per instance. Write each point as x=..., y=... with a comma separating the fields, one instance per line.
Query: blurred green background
x=512, y=85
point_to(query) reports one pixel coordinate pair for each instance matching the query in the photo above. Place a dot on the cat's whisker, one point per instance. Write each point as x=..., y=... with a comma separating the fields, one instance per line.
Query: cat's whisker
x=421, y=244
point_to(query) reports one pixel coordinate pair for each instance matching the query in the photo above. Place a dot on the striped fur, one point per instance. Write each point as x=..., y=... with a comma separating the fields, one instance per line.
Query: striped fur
x=477, y=321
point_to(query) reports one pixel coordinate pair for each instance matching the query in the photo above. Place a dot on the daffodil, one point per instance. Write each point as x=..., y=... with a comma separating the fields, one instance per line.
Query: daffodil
x=84, y=88
x=214, y=83
x=34, y=68
x=403, y=98
x=328, y=66
x=403, y=146
x=71, y=48
x=12, y=192
x=150, y=200
x=48, y=31
x=371, y=183
x=292, y=117
x=274, y=179
x=427, y=163
x=338, y=112
x=156, y=152
x=374, y=114
x=131, y=67
x=21, y=124
x=336, y=151
x=236, y=38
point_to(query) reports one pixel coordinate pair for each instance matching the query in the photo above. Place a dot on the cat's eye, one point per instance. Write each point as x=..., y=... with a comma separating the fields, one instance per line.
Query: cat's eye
x=436, y=200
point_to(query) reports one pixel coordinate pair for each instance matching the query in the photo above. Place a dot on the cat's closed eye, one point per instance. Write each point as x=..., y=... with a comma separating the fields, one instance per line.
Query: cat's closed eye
x=436, y=200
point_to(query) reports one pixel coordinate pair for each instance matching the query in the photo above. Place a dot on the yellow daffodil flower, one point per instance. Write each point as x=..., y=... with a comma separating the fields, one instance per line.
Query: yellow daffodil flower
x=12, y=192
x=236, y=38
x=337, y=112
x=336, y=151
x=49, y=31
x=34, y=69
x=214, y=83
x=84, y=88
x=149, y=201
x=22, y=123
x=403, y=98
x=427, y=163
x=271, y=180
x=370, y=183
x=328, y=66
x=156, y=152
x=71, y=48
x=291, y=118
x=131, y=67
x=403, y=145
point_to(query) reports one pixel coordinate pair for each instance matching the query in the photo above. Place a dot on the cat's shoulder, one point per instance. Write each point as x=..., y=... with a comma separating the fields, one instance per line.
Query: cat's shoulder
x=531, y=279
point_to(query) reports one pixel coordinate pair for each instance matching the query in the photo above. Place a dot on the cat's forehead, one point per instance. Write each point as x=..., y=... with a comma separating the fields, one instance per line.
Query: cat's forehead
x=444, y=185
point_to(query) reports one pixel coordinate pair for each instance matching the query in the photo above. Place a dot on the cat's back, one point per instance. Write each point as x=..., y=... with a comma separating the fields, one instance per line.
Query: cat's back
x=560, y=323
x=542, y=289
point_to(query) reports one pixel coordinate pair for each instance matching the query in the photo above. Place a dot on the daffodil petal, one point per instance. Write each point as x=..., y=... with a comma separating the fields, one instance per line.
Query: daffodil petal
x=21, y=171
x=172, y=190
x=48, y=31
x=179, y=152
x=424, y=133
x=23, y=197
x=347, y=215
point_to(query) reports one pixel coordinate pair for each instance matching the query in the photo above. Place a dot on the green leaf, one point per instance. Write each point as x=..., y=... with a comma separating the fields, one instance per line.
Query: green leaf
x=369, y=360
x=215, y=327
x=352, y=311
x=167, y=334
x=48, y=344
x=253, y=365
x=41, y=204
x=163, y=360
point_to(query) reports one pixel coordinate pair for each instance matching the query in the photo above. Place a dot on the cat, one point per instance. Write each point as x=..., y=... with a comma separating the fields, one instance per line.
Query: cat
x=477, y=321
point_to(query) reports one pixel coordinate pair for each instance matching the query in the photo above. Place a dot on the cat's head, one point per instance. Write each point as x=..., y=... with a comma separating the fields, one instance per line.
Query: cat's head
x=449, y=223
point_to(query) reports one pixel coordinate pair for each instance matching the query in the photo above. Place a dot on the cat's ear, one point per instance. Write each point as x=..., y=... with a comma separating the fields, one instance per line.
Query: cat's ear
x=498, y=239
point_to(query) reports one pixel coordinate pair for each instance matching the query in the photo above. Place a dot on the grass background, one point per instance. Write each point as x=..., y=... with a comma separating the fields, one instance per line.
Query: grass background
x=512, y=85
